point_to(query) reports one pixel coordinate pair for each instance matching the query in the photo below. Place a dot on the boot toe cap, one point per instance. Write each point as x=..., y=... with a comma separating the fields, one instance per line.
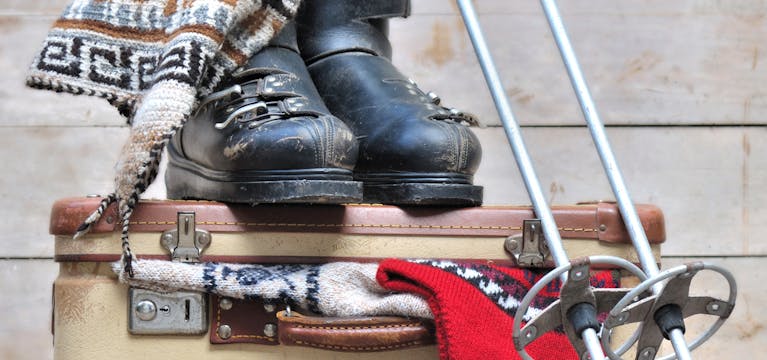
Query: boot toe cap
x=423, y=146
x=298, y=143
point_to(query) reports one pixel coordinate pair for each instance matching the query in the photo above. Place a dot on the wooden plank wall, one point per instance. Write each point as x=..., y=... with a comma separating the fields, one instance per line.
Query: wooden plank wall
x=680, y=83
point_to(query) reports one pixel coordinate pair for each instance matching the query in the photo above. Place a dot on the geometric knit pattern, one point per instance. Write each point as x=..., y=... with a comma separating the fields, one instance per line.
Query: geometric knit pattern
x=153, y=60
x=474, y=305
x=333, y=289
x=507, y=291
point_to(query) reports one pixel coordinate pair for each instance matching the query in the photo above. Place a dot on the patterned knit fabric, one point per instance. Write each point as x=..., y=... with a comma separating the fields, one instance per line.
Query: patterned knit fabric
x=334, y=289
x=474, y=306
x=153, y=60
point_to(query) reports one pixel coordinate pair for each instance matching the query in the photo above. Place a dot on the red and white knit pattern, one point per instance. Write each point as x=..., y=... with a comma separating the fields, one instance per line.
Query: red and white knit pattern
x=474, y=306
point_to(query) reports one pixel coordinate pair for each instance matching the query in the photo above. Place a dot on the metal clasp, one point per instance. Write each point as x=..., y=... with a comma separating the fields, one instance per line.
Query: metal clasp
x=185, y=243
x=529, y=248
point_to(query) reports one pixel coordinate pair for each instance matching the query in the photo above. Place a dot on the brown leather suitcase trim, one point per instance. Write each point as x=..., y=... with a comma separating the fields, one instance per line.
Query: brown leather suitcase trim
x=246, y=320
x=260, y=259
x=600, y=221
x=381, y=333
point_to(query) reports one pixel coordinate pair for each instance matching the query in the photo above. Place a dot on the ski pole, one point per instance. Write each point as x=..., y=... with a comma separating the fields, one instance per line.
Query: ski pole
x=596, y=127
x=513, y=133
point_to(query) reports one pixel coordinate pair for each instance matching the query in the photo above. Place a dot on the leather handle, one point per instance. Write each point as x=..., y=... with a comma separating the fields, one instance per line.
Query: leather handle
x=354, y=334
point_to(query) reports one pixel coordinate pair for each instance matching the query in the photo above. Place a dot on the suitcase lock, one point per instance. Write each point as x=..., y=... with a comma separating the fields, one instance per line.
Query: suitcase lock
x=175, y=313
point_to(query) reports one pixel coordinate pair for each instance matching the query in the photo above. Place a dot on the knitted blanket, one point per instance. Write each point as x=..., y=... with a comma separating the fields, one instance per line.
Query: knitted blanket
x=153, y=60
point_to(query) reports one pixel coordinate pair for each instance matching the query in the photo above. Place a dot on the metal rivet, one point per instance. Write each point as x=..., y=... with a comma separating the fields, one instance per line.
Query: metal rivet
x=167, y=240
x=203, y=239
x=713, y=308
x=225, y=304
x=647, y=353
x=531, y=332
x=622, y=317
x=110, y=219
x=510, y=244
x=602, y=227
x=270, y=330
x=146, y=310
x=270, y=308
x=579, y=275
x=224, y=332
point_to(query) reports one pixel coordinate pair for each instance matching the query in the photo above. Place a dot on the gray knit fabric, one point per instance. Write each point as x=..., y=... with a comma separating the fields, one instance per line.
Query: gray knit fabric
x=333, y=289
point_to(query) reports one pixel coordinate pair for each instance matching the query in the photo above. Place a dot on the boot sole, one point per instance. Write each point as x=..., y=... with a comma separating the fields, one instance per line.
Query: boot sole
x=186, y=180
x=423, y=194
x=420, y=189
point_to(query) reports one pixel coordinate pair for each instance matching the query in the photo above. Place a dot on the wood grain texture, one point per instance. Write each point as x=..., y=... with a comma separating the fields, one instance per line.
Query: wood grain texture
x=708, y=70
x=704, y=71
x=25, y=302
x=43, y=164
x=742, y=336
x=708, y=181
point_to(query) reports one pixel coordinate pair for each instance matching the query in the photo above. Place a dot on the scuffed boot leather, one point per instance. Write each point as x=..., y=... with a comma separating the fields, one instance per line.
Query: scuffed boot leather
x=412, y=151
x=266, y=137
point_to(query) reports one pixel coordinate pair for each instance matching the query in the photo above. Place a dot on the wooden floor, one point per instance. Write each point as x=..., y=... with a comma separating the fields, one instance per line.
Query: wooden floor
x=681, y=84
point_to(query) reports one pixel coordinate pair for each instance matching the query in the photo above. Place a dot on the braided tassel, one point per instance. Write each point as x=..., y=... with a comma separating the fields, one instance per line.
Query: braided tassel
x=126, y=210
x=94, y=217
x=146, y=175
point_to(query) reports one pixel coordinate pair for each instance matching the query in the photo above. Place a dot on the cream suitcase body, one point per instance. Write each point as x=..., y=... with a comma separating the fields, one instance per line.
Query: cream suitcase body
x=91, y=308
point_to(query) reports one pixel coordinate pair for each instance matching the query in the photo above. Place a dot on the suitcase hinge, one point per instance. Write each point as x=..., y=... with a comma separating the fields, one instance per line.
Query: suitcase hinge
x=529, y=248
x=185, y=243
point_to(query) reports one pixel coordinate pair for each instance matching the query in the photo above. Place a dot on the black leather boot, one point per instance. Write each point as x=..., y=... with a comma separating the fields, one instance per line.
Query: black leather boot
x=412, y=151
x=266, y=137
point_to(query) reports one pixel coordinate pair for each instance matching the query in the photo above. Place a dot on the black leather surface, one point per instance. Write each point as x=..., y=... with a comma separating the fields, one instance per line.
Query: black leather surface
x=347, y=52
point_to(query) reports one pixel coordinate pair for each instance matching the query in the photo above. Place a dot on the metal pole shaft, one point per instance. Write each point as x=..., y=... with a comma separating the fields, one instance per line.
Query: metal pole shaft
x=591, y=340
x=630, y=217
x=550, y=230
x=513, y=133
x=628, y=212
x=680, y=345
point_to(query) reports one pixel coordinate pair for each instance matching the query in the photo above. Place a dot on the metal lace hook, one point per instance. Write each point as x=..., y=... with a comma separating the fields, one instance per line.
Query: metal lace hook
x=260, y=108
x=220, y=95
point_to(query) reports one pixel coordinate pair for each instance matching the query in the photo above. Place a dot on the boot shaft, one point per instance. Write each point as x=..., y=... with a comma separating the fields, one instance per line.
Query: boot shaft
x=327, y=27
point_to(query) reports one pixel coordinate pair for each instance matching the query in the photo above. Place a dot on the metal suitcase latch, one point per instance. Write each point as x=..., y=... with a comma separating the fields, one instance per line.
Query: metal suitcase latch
x=185, y=243
x=176, y=313
x=529, y=248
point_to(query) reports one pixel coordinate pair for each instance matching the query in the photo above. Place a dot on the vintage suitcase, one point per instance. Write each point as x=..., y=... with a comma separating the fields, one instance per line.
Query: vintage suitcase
x=92, y=311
